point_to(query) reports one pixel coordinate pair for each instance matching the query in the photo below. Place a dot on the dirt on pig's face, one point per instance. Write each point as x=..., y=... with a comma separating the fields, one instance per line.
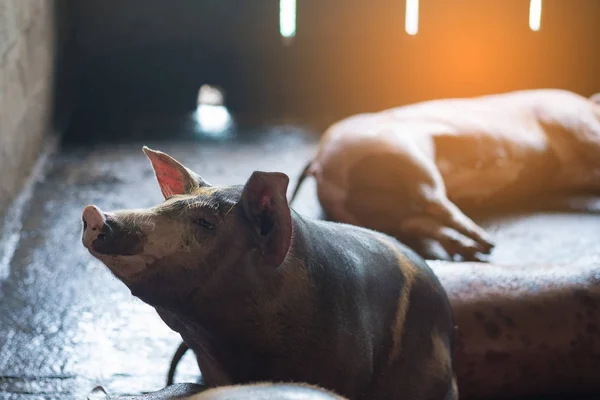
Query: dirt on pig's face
x=200, y=242
x=182, y=231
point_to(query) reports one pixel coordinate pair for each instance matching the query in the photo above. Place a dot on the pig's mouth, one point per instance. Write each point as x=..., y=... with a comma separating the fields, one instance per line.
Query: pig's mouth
x=103, y=234
x=118, y=247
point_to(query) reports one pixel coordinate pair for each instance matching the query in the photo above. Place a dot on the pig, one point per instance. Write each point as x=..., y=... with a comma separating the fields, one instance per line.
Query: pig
x=261, y=391
x=262, y=293
x=521, y=330
x=182, y=391
x=410, y=171
x=525, y=330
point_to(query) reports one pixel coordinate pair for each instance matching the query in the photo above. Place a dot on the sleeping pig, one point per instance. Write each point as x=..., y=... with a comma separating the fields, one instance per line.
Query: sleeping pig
x=261, y=293
x=412, y=171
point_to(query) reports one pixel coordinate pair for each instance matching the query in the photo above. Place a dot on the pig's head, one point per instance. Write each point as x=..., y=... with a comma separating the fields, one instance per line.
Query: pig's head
x=200, y=240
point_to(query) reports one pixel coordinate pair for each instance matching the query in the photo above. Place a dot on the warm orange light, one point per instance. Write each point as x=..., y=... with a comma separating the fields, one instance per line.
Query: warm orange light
x=535, y=14
x=411, y=21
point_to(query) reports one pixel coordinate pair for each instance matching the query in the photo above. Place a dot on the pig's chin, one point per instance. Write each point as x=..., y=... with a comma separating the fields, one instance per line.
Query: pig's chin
x=127, y=268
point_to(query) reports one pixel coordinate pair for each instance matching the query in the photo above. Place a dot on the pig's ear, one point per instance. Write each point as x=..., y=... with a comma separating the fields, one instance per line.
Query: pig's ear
x=173, y=178
x=265, y=205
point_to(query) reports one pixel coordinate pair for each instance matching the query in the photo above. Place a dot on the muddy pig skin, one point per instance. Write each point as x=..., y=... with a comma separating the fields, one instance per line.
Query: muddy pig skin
x=524, y=330
x=263, y=391
x=263, y=294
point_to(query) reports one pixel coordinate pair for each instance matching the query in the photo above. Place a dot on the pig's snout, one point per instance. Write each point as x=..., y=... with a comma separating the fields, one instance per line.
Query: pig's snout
x=104, y=234
x=95, y=227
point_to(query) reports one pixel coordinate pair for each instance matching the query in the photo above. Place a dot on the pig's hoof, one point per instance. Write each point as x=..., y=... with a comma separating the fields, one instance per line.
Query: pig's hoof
x=486, y=246
x=456, y=244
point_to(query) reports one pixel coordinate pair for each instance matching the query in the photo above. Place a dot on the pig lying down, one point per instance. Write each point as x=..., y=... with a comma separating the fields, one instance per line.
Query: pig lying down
x=524, y=330
x=265, y=391
x=263, y=294
x=408, y=171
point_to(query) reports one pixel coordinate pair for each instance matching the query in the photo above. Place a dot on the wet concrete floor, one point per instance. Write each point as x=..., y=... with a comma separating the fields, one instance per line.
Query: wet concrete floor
x=67, y=325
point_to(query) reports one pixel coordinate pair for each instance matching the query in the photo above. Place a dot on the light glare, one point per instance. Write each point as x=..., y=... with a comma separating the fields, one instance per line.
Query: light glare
x=535, y=14
x=287, y=18
x=411, y=22
x=211, y=116
x=211, y=119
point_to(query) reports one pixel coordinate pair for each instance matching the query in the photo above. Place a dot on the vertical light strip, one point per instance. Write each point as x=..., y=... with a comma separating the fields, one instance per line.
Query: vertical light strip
x=287, y=18
x=411, y=22
x=535, y=14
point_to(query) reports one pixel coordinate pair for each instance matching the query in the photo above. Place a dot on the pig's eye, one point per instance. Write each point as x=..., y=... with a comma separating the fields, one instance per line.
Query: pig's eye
x=204, y=223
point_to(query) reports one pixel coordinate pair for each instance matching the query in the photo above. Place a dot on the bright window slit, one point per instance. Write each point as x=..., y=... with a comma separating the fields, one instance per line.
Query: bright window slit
x=411, y=22
x=535, y=14
x=287, y=18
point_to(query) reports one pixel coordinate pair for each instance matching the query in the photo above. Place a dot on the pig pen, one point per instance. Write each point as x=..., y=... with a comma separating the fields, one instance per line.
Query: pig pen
x=68, y=325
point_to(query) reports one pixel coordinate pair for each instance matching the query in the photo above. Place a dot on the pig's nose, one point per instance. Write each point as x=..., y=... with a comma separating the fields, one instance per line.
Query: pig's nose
x=94, y=225
x=93, y=218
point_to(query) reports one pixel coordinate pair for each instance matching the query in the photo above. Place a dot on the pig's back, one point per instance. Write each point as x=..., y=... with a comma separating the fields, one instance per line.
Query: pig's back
x=347, y=264
x=483, y=147
x=365, y=274
x=365, y=292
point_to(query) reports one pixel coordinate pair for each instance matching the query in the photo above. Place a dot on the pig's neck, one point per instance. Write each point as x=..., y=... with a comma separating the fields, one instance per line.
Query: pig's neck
x=230, y=349
x=202, y=344
x=234, y=337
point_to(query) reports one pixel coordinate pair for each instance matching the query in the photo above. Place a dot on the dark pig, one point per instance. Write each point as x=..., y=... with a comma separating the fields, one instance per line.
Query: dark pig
x=261, y=293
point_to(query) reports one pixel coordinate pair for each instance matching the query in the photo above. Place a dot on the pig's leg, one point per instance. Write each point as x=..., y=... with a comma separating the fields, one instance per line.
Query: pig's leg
x=428, y=192
x=448, y=213
x=453, y=242
x=403, y=194
x=421, y=365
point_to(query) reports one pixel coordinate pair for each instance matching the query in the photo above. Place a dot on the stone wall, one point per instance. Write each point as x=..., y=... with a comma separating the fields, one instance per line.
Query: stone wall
x=26, y=75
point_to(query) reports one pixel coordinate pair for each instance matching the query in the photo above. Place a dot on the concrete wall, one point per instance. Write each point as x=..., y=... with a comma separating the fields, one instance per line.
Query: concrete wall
x=26, y=75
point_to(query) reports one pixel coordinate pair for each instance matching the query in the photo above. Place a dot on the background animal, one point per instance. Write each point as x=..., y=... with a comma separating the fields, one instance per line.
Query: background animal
x=410, y=171
x=524, y=330
x=261, y=293
x=262, y=391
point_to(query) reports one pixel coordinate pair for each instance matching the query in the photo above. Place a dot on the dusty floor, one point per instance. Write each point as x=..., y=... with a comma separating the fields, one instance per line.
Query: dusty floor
x=67, y=325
